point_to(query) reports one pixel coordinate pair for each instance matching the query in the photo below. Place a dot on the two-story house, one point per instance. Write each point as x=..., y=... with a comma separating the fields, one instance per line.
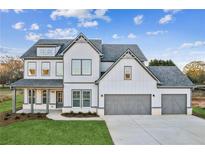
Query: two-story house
x=83, y=75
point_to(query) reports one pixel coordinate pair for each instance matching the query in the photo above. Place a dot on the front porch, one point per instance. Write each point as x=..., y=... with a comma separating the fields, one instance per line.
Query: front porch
x=39, y=95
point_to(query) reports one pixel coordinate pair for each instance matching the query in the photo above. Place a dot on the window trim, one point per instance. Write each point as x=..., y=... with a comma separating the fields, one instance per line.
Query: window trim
x=81, y=97
x=130, y=73
x=47, y=97
x=49, y=68
x=28, y=68
x=56, y=69
x=59, y=91
x=35, y=97
x=81, y=70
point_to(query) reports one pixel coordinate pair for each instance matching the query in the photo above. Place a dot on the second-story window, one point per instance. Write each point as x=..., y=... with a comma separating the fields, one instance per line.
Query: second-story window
x=128, y=73
x=59, y=69
x=45, y=68
x=81, y=66
x=31, y=68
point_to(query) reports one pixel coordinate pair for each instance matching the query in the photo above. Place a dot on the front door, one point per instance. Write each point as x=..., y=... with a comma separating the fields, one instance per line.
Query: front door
x=59, y=99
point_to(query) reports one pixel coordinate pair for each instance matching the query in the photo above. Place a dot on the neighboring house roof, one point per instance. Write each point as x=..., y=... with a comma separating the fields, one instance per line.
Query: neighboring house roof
x=111, y=52
x=38, y=83
x=136, y=58
x=170, y=76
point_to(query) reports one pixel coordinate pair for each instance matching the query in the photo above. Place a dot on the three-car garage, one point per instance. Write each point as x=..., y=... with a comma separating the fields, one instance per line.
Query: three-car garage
x=141, y=104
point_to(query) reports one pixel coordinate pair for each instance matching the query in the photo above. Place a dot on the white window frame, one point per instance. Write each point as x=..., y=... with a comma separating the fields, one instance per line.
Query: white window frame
x=81, y=67
x=125, y=73
x=49, y=64
x=28, y=68
x=57, y=69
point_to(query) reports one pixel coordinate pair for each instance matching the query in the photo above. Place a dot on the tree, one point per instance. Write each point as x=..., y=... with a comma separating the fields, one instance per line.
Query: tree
x=160, y=62
x=11, y=69
x=195, y=71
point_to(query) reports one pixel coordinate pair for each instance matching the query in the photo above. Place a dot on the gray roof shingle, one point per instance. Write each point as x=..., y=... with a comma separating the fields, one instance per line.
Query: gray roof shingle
x=38, y=83
x=111, y=52
x=171, y=76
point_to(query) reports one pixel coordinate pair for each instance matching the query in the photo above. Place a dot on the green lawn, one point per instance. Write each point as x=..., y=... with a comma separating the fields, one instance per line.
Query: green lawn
x=49, y=132
x=200, y=112
x=7, y=105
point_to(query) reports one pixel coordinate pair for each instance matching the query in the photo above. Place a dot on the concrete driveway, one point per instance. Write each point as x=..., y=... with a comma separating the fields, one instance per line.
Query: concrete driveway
x=169, y=129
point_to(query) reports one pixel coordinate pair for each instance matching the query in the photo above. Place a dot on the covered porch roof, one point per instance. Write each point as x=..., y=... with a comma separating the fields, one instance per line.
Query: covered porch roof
x=38, y=83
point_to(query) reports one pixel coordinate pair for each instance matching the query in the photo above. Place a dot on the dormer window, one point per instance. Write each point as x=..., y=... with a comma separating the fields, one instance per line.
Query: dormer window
x=47, y=50
x=128, y=72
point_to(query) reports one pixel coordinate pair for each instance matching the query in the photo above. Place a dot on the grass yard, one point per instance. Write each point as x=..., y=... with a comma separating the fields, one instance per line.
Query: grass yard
x=200, y=112
x=49, y=132
x=7, y=105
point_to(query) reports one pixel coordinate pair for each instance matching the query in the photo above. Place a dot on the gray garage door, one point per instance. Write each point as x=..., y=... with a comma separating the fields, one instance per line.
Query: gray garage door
x=174, y=104
x=127, y=104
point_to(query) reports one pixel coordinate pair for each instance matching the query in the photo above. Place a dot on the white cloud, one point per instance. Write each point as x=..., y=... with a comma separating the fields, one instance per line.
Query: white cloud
x=166, y=19
x=18, y=11
x=70, y=13
x=34, y=26
x=49, y=26
x=154, y=33
x=18, y=25
x=116, y=36
x=33, y=36
x=100, y=14
x=192, y=45
x=138, y=19
x=173, y=11
x=131, y=36
x=88, y=24
x=62, y=33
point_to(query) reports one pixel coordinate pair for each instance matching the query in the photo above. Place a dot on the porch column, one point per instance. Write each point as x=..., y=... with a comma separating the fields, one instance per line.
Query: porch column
x=14, y=100
x=32, y=100
x=47, y=101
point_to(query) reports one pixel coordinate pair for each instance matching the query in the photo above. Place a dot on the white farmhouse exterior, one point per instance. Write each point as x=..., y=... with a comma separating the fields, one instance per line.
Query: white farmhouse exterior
x=84, y=75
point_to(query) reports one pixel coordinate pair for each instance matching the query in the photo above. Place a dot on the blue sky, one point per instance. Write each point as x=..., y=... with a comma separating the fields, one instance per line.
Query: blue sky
x=162, y=34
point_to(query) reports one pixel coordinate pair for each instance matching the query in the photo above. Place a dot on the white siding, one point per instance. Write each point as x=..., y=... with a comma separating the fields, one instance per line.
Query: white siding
x=105, y=65
x=141, y=83
x=38, y=71
x=67, y=94
x=81, y=51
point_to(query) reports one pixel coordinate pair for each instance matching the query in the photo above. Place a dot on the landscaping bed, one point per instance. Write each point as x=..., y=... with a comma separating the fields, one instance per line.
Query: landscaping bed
x=199, y=112
x=80, y=115
x=7, y=118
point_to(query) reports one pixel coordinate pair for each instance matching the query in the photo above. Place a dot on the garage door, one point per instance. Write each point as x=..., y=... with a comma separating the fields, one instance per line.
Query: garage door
x=127, y=104
x=174, y=103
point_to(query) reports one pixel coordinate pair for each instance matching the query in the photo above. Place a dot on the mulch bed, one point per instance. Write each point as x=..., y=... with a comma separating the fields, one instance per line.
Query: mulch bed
x=7, y=118
x=80, y=115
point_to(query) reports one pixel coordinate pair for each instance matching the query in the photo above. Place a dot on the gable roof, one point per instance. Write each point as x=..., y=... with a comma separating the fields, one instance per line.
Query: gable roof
x=111, y=52
x=136, y=58
x=170, y=76
x=81, y=35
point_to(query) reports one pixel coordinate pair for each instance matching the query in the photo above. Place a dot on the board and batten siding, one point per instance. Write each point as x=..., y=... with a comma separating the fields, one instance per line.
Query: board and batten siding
x=81, y=51
x=39, y=75
x=141, y=83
